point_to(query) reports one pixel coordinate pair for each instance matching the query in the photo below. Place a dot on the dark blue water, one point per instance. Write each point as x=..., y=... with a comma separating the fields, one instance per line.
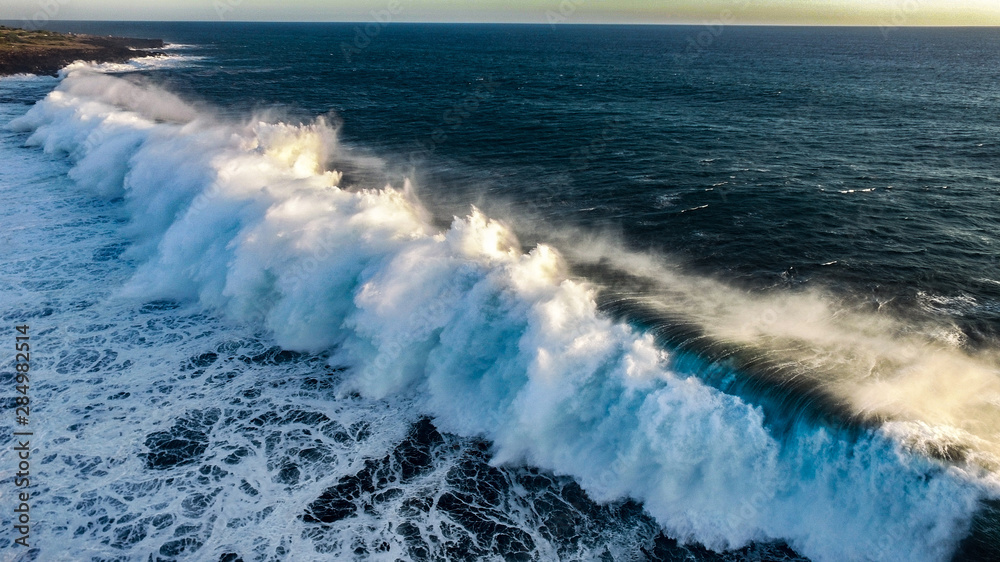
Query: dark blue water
x=860, y=162
x=875, y=150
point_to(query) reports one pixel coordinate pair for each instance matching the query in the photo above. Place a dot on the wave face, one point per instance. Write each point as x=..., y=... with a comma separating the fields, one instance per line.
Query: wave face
x=462, y=325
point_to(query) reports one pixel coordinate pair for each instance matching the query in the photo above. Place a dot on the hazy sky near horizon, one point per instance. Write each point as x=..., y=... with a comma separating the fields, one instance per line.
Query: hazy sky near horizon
x=821, y=12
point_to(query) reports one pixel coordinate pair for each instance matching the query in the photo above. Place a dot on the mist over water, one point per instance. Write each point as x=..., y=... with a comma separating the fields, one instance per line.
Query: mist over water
x=209, y=237
x=871, y=365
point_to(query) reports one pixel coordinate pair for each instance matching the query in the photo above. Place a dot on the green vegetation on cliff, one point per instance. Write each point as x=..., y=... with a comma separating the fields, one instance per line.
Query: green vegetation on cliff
x=45, y=52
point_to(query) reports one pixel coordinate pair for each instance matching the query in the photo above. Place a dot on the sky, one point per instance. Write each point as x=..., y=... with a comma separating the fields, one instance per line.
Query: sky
x=813, y=12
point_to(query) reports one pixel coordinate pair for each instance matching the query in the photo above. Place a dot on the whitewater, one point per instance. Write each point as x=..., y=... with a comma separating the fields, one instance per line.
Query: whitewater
x=168, y=255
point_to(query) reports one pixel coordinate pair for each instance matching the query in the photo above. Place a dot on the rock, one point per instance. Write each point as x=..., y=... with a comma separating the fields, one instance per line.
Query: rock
x=45, y=52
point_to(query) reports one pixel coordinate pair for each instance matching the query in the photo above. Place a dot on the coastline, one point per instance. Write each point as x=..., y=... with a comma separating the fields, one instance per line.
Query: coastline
x=46, y=52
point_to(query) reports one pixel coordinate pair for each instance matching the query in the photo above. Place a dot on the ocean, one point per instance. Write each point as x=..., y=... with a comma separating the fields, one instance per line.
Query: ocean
x=506, y=292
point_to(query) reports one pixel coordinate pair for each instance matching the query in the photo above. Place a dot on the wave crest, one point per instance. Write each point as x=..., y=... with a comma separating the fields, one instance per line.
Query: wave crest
x=489, y=339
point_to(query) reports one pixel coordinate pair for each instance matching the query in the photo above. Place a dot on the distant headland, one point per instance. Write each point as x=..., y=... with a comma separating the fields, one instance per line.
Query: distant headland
x=45, y=52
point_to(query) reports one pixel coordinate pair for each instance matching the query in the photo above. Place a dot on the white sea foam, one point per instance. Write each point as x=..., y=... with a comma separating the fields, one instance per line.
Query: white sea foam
x=490, y=339
x=874, y=365
x=153, y=62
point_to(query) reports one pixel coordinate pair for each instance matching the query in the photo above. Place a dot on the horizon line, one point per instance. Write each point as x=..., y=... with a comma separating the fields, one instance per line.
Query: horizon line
x=532, y=23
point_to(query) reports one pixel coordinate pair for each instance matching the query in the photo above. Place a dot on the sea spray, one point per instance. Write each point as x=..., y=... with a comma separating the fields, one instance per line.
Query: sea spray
x=490, y=340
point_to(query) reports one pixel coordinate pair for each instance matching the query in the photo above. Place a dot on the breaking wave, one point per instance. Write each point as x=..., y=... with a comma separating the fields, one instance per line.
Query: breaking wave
x=501, y=342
